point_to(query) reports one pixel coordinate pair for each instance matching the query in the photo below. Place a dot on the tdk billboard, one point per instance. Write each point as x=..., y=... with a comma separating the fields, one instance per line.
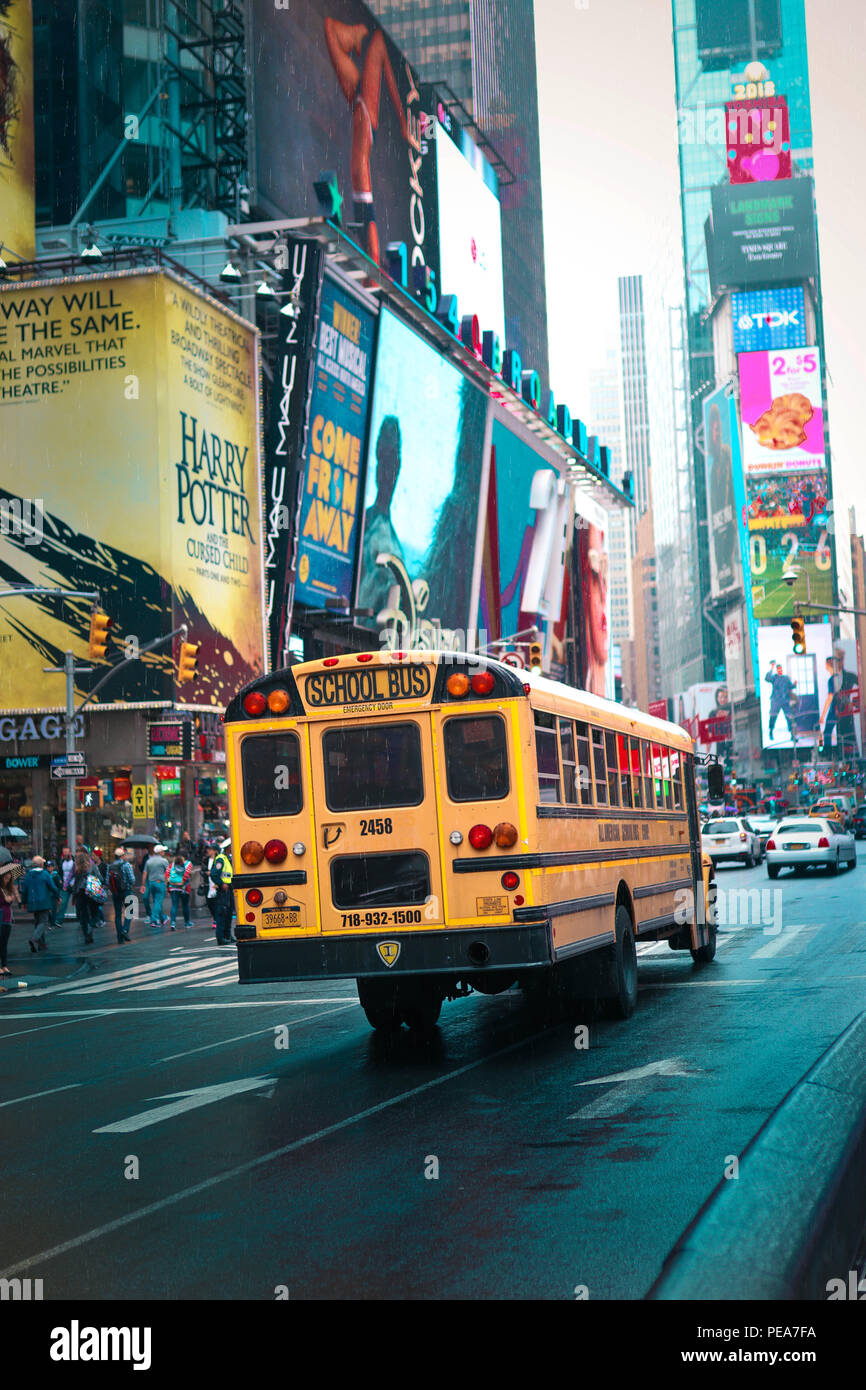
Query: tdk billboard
x=766, y=319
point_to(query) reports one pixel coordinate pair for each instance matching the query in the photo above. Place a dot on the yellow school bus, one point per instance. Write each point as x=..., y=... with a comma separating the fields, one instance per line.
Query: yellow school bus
x=431, y=822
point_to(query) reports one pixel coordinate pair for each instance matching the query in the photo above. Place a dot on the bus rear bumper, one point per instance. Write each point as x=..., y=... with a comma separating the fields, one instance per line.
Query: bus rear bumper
x=443, y=952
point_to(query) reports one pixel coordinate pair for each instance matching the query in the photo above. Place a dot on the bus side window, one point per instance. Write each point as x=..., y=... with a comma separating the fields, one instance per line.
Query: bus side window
x=677, y=779
x=666, y=778
x=547, y=758
x=658, y=776
x=584, y=767
x=568, y=759
x=598, y=767
x=624, y=770
x=636, y=771
x=612, y=771
x=271, y=774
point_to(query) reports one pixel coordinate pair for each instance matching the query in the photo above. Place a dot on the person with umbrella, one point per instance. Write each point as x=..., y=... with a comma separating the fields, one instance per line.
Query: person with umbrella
x=8, y=898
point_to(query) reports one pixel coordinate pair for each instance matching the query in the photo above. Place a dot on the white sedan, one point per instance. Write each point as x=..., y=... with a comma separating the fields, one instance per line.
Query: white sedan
x=732, y=838
x=799, y=841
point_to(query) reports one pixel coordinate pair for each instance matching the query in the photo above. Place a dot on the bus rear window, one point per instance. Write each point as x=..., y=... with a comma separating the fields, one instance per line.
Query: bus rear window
x=371, y=766
x=271, y=770
x=476, y=758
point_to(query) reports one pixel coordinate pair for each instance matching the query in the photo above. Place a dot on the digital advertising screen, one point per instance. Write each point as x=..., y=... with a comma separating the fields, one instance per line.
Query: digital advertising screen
x=741, y=504
x=704, y=711
x=782, y=410
x=141, y=435
x=793, y=688
x=762, y=233
x=424, y=467
x=17, y=169
x=591, y=584
x=726, y=573
x=767, y=319
x=841, y=730
x=758, y=140
x=525, y=528
x=788, y=522
x=331, y=499
x=470, y=227
x=333, y=92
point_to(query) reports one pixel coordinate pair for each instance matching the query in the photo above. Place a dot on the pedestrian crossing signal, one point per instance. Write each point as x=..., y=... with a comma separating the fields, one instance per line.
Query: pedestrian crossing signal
x=798, y=635
x=535, y=657
x=99, y=625
x=187, y=662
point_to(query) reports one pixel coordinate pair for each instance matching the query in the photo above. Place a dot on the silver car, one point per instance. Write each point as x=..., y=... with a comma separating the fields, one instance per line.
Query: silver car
x=731, y=838
x=764, y=826
x=799, y=841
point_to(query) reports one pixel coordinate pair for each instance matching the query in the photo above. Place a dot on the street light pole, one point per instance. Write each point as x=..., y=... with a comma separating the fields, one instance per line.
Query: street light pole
x=69, y=667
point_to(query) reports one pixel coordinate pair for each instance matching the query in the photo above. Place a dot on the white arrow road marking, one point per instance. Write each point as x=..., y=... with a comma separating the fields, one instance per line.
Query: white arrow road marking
x=615, y=1100
x=186, y=1100
x=37, y=1094
x=779, y=943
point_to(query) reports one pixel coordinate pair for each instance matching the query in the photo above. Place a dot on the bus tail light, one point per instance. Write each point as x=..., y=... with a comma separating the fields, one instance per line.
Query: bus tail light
x=255, y=703
x=505, y=835
x=278, y=701
x=823, y=843
x=481, y=837
x=483, y=683
x=457, y=685
x=254, y=897
x=275, y=851
x=252, y=853
x=510, y=880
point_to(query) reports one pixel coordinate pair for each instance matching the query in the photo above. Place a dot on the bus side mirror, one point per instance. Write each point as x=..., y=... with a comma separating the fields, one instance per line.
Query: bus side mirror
x=715, y=782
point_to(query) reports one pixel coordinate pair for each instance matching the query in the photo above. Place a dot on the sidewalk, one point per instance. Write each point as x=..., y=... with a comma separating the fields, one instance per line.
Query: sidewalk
x=67, y=955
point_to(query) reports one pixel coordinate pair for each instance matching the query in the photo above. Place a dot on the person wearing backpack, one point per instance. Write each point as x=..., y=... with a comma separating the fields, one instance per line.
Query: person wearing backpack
x=84, y=888
x=121, y=882
x=178, y=886
x=221, y=877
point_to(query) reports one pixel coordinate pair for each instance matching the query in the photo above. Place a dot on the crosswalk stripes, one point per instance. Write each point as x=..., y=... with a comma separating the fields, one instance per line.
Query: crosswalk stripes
x=154, y=975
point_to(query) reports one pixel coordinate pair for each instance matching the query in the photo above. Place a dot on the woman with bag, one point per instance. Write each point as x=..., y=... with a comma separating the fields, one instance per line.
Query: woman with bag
x=85, y=886
x=178, y=886
x=8, y=898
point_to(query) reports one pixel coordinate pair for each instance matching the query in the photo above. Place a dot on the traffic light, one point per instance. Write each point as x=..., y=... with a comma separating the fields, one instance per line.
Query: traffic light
x=187, y=662
x=535, y=657
x=798, y=635
x=99, y=625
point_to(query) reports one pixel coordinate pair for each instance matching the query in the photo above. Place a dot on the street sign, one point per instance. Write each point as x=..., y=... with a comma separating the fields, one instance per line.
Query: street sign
x=151, y=806
x=513, y=659
x=139, y=801
x=62, y=759
x=73, y=770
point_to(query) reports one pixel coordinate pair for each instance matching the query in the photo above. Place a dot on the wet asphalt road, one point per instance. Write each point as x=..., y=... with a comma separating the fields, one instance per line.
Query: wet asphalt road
x=498, y=1160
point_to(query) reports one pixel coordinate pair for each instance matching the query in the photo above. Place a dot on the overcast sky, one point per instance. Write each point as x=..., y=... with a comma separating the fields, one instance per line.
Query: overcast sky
x=611, y=191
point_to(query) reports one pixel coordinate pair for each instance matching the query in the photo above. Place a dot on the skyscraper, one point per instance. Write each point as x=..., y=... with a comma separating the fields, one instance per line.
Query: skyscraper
x=713, y=43
x=485, y=51
x=605, y=413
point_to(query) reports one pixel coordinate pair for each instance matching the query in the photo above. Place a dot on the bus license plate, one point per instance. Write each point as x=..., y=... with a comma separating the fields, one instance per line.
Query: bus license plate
x=281, y=917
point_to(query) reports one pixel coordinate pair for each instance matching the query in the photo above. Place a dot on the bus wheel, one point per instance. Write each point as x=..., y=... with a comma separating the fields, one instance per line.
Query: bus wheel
x=704, y=954
x=421, y=1013
x=379, y=1002
x=620, y=998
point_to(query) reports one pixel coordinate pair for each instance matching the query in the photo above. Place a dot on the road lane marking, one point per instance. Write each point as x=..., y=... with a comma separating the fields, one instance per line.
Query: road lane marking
x=779, y=942
x=22, y=1032
x=252, y=1164
x=241, y=1037
x=38, y=1094
x=91, y=982
x=628, y=1090
x=178, y=1008
x=184, y=1101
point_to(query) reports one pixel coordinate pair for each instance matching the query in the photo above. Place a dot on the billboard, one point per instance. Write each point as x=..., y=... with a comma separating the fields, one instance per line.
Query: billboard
x=793, y=688
x=329, y=80
x=726, y=571
x=765, y=319
x=287, y=436
x=762, y=233
x=424, y=467
x=591, y=573
x=788, y=520
x=758, y=140
x=782, y=410
x=527, y=522
x=735, y=652
x=134, y=402
x=470, y=225
x=17, y=169
x=704, y=711
x=840, y=705
x=330, y=495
